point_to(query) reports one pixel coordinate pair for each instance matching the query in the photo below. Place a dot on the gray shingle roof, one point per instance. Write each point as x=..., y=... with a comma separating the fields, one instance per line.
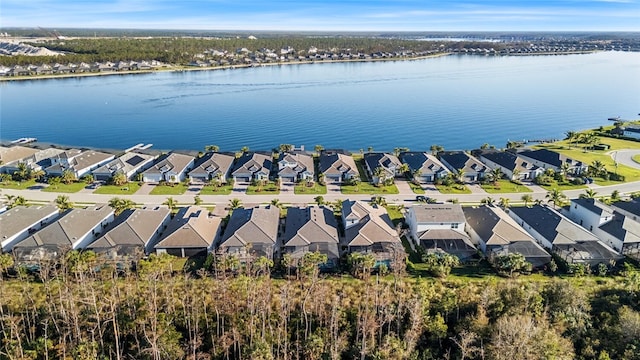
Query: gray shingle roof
x=552, y=226
x=374, y=225
x=310, y=225
x=191, y=227
x=132, y=227
x=333, y=163
x=212, y=164
x=425, y=163
x=253, y=163
x=124, y=164
x=494, y=226
x=248, y=226
x=20, y=218
x=594, y=206
x=174, y=161
x=438, y=213
x=461, y=160
x=632, y=206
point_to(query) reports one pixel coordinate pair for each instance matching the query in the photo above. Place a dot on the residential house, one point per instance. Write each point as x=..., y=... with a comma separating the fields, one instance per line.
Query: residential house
x=630, y=209
x=251, y=232
x=389, y=164
x=424, y=167
x=171, y=168
x=498, y=235
x=548, y=159
x=511, y=165
x=252, y=166
x=311, y=229
x=369, y=230
x=129, y=164
x=133, y=234
x=15, y=154
x=567, y=239
x=80, y=164
x=191, y=232
x=440, y=228
x=36, y=162
x=19, y=222
x=211, y=166
x=337, y=166
x=74, y=230
x=295, y=166
x=456, y=161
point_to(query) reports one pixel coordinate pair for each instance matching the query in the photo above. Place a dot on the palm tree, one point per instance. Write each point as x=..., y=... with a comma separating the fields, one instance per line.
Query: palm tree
x=197, y=200
x=379, y=173
x=235, y=203
x=38, y=174
x=318, y=149
x=119, y=179
x=570, y=136
x=459, y=175
x=404, y=168
x=119, y=205
x=212, y=148
x=319, y=200
x=564, y=169
x=171, y=203
x=527, y=198
x=504, y=202
x=435, y=149
x=516, y=174
x=488, y=201
x=370, y=149
x=68, y=176
x=615, y=195
x=23, y=172
x=54, y=182
x=556, y=197
x=244, y=149
x=496, y=174
x=588, y=194
x=13, y=201
x=276, y=203
x=63, y=203
x=597, y=168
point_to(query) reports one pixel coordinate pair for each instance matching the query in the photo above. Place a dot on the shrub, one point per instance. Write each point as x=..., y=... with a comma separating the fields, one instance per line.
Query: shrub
x=578, y=181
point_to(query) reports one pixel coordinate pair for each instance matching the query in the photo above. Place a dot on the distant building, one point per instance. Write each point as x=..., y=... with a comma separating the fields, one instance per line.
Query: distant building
x=424, y=167
x=128, y=164
x=171, y=168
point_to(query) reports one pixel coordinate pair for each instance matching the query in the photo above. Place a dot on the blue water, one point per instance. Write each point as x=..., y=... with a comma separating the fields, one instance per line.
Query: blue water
x=459, y=102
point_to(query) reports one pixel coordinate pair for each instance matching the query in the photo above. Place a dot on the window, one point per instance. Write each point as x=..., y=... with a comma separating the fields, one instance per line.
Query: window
x=454, y=225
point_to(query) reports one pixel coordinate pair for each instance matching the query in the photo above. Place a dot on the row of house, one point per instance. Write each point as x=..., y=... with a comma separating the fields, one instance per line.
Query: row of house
x=39, y=233
x=73, y=68
x=586, y=232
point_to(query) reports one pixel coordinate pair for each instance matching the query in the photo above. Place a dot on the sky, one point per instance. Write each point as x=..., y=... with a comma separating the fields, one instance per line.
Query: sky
x=326, y=15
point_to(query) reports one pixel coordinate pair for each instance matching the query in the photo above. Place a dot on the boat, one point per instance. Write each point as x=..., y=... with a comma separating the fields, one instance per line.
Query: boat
x=24, y=140
x=617, y=118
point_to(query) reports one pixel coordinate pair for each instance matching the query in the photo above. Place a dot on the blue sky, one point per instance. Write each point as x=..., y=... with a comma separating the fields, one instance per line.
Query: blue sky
x=332, y=15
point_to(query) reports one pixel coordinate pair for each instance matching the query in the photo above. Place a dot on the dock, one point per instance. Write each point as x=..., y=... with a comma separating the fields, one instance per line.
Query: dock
x=24, y=140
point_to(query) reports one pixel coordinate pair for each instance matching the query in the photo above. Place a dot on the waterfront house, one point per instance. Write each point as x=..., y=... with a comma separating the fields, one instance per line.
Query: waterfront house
x=252, y=166
x=171, y=168
x=511, y=165
x=74, y=230
x=337, y=166
x=369, y=230
x=311, y=229
x=17, y=223
x=295, y=166
x=129, y=164
x=191, y=232
x=473, y=169
x=133, y=234
x=565, y=238
x=211, y=166
x=40, y=160
x=16, y=153
x=389, y=164
x=548, y=159
x=251, y=233
x=80, y=164
x=424, y=167
x=440, y=228
x=497, y=234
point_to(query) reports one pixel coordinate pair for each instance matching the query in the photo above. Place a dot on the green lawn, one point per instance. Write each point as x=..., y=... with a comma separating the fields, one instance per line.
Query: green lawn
x=18, y=185
x=395, y=214
x=367, y=188
x=66, y=188
x=417, y=189
x=177, y=189
x=636, y=158
x=213, y=190
x=453, y=189
x=563, y=186
x=126, y=189
x=303, y=189
x=576, y=151
x=269, y=189
x=505, y=186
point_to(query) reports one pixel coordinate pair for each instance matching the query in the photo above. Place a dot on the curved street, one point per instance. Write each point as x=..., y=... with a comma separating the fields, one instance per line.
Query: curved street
x=625, y=157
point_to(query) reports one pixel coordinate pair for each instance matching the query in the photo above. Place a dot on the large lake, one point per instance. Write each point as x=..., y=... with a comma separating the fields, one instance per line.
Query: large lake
x=460, y=102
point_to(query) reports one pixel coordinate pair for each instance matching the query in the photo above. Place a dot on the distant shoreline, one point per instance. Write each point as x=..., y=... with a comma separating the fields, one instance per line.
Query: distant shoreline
x=173, y=68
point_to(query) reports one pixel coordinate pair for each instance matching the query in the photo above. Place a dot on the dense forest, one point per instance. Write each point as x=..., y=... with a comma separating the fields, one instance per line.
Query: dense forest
x=69, y=310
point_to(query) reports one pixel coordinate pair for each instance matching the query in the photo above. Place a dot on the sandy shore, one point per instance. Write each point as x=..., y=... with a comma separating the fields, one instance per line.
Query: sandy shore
x=176, y=68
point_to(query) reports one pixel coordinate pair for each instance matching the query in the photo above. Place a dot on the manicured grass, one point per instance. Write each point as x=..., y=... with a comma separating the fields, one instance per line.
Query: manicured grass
x=213, y=190
x=126, y=189
x=367, y=188
x=564, y=186
x=505, y=186
x=453, y=189
x=177, y=189
x=268, y=189
x=361, y=167
x=417, y=189
x=316, y=189
x=18, y=185
x=636, y=158
x=395, y=214
x=66, y=188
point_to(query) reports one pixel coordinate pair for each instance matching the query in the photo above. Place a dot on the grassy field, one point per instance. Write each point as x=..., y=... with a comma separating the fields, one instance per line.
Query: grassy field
x=18, y=185
x=126, y=189
x=316, y=189
x=505, y=186
x=564, y=186
x=577, y=151
x=417, y=189
x=453, y=189
x=269, y=189
x=177, y=189
x=395, y=213
x=367, y=188
x=636, y=158
x=66, y=188
x=213, y=190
